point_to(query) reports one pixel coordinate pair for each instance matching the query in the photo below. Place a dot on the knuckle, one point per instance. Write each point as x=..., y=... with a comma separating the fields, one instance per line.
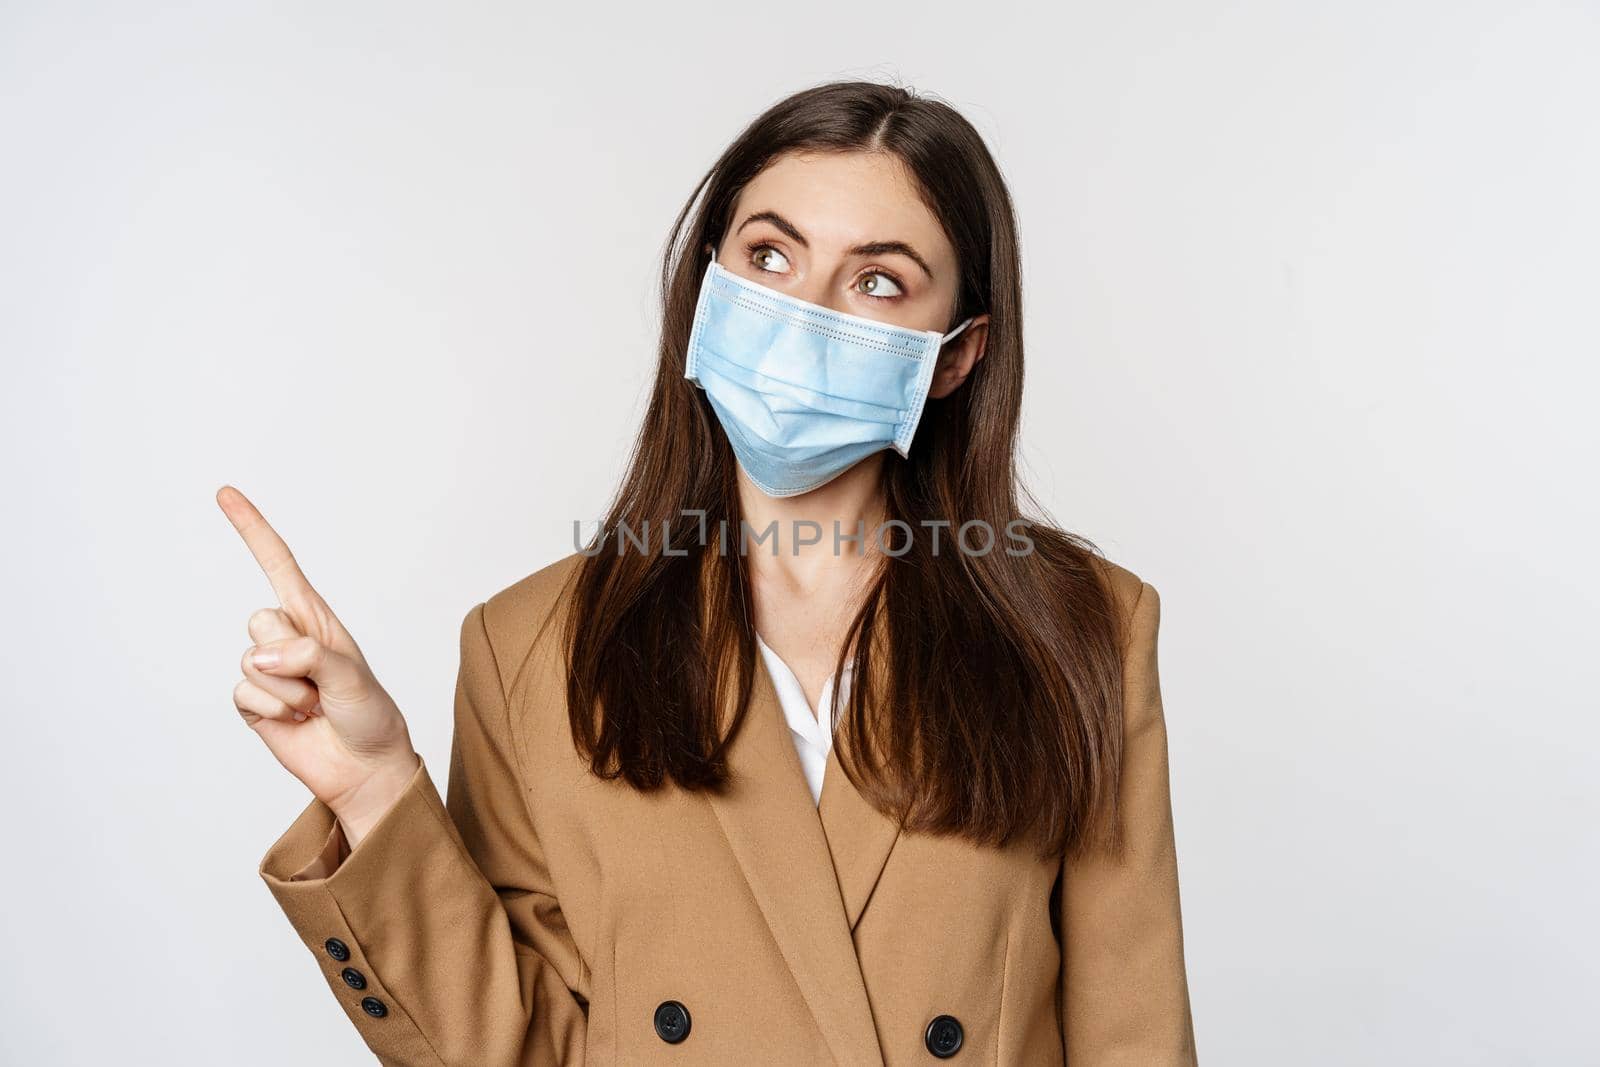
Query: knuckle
x=272, y=708
x=262, y=620
x=307, y=650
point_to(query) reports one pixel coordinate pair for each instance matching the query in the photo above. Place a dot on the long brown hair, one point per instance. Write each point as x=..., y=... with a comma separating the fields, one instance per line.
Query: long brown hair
x=1003, y=671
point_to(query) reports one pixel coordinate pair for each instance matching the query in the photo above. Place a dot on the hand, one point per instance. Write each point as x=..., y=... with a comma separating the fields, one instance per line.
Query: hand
x=318, y=707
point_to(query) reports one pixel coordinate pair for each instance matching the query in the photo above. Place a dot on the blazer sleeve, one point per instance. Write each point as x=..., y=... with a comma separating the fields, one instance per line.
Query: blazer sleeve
x=1125, y=993
x=440, y=933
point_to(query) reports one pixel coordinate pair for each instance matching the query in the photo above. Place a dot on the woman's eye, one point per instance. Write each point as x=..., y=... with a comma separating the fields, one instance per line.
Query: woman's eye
x=764, y=255
x=878, y=284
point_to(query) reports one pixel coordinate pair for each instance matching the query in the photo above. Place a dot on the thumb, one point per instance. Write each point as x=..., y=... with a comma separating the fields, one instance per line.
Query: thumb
x=337, y=677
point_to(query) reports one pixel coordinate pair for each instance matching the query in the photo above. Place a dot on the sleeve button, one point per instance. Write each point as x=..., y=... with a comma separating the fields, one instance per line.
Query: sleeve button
x=374, y=1007
x=337, y=949
x=353, y=978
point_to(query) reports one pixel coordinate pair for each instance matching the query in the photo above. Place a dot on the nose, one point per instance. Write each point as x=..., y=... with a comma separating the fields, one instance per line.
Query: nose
x=825, y=285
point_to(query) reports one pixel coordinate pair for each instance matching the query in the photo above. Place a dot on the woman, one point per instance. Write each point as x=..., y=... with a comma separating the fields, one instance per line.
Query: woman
x=636, y=862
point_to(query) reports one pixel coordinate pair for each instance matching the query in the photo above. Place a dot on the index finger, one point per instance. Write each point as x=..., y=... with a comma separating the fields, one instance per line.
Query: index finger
x=270, y=551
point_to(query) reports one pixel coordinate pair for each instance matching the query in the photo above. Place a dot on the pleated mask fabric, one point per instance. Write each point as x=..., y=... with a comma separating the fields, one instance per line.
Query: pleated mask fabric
x=802, y=391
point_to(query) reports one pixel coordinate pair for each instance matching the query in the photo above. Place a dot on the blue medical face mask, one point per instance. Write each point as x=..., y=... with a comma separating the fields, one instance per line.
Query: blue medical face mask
x=802, y=391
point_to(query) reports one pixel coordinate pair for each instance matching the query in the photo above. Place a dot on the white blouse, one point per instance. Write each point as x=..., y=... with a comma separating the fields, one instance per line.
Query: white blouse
x=813, y=740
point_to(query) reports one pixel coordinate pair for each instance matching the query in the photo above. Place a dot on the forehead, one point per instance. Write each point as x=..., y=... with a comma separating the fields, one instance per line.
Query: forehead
x=838, y=199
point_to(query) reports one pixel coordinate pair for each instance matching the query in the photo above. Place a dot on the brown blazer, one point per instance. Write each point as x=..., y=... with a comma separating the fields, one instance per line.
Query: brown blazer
x=540, y=915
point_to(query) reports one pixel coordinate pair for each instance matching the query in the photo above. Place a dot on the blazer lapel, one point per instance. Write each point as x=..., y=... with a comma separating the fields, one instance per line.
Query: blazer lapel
x=773, y=827
x=860, y=838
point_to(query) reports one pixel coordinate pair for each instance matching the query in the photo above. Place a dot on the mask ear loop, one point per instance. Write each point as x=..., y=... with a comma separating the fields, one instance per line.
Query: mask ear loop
x=947, y=338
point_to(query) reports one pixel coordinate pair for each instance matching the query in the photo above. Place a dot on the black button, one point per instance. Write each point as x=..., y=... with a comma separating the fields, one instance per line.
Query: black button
x=374, y=1007
x=672, y=1021
x=337, y=949
x=944, y=1036
x=353, y=978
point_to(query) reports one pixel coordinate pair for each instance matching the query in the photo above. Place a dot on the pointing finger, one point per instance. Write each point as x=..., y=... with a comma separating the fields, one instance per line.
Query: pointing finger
x=269, y=550
x=305, y=607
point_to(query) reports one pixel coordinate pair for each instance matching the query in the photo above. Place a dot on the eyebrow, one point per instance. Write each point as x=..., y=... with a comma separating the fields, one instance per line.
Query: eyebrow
x=870, y=248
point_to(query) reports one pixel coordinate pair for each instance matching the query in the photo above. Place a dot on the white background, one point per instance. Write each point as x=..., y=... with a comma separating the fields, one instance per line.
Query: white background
x=1312, y=332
